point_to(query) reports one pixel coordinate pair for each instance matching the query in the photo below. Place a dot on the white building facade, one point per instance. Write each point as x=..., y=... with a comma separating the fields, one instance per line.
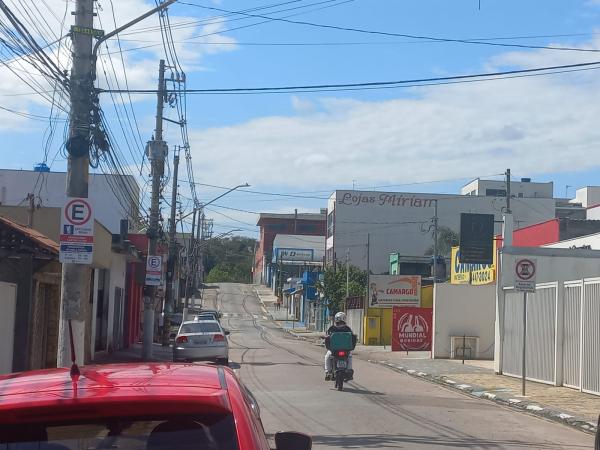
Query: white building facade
x=368, y=226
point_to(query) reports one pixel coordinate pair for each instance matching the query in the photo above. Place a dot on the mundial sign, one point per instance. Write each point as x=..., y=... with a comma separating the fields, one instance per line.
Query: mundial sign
x=77, y=232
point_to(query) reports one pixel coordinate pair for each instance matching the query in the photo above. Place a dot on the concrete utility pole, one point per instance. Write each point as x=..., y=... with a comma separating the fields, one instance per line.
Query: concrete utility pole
x=508, y=211
x=75, y=285
x=156, y=151
x=435, y=241
x=172, y=261
x=347, y=273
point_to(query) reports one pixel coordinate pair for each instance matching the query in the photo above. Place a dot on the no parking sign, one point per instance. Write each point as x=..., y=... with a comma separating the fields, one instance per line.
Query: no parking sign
x=77, y=232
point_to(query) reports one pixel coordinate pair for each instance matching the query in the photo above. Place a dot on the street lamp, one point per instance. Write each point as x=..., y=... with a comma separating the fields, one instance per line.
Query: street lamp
x=202, y=205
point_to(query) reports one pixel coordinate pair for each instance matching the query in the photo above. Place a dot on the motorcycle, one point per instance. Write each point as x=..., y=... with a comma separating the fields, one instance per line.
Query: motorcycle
x=340, y=345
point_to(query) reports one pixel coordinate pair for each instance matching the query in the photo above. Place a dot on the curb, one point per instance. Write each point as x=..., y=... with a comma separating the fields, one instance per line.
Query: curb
x=477, y=392
x=264, y=307
x=299, y=337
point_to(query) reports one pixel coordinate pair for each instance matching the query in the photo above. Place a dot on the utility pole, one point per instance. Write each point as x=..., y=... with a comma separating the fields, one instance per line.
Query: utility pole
x=435, y=241
x=172, y=259
x=347, y=273
x=156, y=151
x=75, y=284
x=190, y=256
x=508, y=211
x=30, y=209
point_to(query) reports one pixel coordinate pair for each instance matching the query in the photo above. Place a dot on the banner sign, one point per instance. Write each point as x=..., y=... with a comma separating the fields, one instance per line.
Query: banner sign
x=394, y=290
x=294, y=254
x=411, y=329
x=476, y=238
x=76, y=232
x=475, y=274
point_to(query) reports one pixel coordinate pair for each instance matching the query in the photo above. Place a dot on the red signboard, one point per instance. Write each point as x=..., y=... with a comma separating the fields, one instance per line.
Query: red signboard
x=412, y=329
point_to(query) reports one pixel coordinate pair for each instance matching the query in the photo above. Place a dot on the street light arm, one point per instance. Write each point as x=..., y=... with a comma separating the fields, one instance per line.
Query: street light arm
x=224, y=194
x=202, y=205
x=129, y=24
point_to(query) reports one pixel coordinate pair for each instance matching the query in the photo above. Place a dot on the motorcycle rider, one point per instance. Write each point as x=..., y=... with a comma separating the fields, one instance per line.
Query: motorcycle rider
x=339, y=326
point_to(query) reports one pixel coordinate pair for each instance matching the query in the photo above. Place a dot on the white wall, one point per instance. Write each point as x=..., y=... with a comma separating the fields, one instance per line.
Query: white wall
x=118, y=272
x=518, y=188
x=593, y=213
x=463, y=310
x=402, y=223
x=593, y=240
x=109, y=208
x=587, y=196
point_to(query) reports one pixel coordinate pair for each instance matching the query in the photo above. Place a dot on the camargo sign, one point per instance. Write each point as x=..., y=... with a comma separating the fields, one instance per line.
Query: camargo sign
x=394, y=290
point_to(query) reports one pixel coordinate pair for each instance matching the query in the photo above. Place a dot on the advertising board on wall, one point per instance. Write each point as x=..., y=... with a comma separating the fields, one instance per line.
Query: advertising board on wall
x=293, y=254
x=411, y=329
x=394, y=290
x=475, y=274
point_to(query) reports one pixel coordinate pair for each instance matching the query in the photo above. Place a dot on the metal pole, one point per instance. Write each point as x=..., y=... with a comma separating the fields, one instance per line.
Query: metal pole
x=190, y=252
x=171, y=262
x=76, y=278
x=508, y=191
x=435, y=242
x=347, y=273
x=464, y=347
x=367, y=299
x=157, y=150
x=523, y=352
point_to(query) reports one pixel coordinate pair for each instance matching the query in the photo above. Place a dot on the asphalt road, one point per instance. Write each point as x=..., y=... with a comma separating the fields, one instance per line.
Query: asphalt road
x=381, y=409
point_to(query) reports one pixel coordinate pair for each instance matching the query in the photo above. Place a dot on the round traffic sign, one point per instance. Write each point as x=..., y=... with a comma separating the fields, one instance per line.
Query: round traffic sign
x=525, y=269
x=78, y=211
x=154, y=262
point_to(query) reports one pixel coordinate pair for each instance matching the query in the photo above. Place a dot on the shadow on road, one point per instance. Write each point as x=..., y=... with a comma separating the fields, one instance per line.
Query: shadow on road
x=361, y=391
x=400, y=441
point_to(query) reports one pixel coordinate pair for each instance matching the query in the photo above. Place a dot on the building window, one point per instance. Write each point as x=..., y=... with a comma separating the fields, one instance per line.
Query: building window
x=495, y=192
x=330, y=220
x=520, y=195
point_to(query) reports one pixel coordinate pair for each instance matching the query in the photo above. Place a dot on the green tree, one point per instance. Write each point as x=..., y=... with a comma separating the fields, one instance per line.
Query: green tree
x=232, y=257
x=333, y=286
x=447, y=238
x=225, y=272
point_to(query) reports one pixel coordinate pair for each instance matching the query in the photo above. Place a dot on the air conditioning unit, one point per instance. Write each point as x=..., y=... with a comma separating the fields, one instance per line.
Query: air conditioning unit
x=464, y=346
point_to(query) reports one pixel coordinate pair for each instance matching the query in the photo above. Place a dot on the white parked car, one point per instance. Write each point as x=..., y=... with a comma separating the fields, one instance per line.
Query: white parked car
x=201, y=340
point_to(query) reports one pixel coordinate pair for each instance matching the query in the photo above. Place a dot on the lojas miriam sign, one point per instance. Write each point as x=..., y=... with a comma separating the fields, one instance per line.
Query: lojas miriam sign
x=394, y=290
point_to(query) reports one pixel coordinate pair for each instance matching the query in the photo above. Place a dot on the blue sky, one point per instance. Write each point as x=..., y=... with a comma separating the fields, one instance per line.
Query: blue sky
x=313, y=143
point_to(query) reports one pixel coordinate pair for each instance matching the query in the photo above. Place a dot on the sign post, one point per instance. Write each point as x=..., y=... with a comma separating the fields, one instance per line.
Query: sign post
x=77, y=232
x=525, y=273
x=153, y=270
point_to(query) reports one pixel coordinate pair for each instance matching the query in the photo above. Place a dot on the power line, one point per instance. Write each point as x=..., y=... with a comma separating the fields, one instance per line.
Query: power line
x=385, y=33
x=383, y=84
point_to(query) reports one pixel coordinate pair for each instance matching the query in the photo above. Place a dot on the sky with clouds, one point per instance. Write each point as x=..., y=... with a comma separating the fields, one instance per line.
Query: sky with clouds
x=427, y=138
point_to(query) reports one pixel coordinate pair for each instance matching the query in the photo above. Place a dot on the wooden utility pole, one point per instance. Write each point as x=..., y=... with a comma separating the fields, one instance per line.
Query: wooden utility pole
x=75, y=284
x=156, y=151
x=172, y=261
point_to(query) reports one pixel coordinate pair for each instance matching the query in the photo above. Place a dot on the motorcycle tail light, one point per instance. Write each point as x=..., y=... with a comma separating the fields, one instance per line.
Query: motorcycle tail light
x=182, y=339
x=341, y=353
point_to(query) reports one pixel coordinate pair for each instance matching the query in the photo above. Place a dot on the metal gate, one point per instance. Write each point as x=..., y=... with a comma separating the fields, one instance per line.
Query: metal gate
x=590, y=333
x=513, y=333
x=540, y=345
x=572, y=334
x=541, y=320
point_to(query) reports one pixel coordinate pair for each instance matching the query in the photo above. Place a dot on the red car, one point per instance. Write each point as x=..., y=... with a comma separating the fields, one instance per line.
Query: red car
x=134, y=406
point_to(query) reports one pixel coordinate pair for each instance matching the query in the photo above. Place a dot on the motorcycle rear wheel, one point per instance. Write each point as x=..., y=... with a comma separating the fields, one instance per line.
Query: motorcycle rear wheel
x=339, y=382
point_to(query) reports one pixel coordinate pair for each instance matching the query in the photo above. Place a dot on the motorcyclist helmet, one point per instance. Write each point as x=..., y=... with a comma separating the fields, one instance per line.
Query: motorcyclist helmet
x=339, y=318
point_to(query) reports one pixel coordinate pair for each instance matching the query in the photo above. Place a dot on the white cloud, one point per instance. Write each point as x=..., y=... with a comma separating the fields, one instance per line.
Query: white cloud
x=141, y=66
x=302, y=105
x=534, y=125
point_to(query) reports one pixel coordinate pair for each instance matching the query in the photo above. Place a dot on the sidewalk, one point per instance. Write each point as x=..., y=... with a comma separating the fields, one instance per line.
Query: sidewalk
x=477, y=378
x=268, y=300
